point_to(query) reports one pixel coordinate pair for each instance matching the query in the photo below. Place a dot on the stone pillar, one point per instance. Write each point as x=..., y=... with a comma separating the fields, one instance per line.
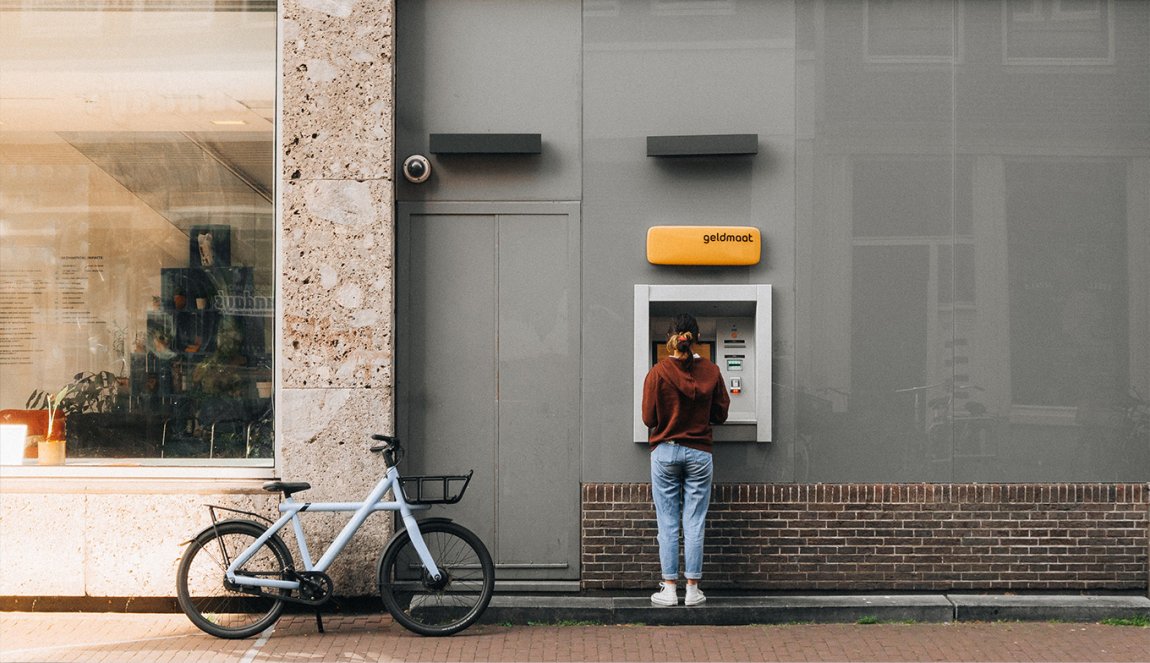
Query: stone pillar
x=336, y=277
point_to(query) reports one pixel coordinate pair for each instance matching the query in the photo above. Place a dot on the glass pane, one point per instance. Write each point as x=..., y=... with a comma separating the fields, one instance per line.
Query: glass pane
x=137, y=264
x=977, y=242
x=1057, y=334
x=908, y=30
x=1065, y=31
x=1066, y=233
x=885, y=198
x=902, y=197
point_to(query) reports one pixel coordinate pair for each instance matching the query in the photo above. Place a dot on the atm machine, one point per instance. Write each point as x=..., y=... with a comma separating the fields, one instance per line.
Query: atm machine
x=735, y=333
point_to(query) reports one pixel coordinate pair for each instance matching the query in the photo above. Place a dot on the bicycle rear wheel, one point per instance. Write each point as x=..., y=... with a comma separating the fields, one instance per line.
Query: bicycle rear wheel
x=457, y=599
x=212, y=603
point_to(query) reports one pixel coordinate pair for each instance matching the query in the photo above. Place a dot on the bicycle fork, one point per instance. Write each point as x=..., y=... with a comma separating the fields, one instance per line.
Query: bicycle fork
x=412, y=527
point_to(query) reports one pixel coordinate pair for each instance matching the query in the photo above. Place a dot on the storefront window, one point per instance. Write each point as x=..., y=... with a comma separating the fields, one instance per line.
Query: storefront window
x=137, y=224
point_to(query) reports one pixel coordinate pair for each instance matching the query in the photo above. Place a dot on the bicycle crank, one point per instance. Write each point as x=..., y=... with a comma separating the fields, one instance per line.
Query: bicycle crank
x=315, y=587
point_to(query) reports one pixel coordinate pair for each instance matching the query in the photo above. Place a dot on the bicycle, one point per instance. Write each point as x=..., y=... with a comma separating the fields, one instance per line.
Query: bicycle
x=435, y=576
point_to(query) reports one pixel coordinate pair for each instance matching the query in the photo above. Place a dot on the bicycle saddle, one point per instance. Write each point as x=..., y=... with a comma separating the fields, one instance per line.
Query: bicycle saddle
x=287, y=487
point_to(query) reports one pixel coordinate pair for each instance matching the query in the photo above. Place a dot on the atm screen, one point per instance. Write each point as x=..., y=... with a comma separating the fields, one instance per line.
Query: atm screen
x=705, y=349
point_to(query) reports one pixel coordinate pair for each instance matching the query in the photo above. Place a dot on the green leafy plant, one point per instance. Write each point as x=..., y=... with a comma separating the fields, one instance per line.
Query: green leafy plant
x=222, y=372
x=86, y=393
x=43, y=400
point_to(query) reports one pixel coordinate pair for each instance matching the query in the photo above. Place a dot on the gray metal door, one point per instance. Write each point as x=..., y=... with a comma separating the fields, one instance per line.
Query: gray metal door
x=488, y=359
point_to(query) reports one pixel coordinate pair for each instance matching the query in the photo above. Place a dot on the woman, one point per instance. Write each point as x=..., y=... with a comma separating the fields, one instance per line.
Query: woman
x=682, y=396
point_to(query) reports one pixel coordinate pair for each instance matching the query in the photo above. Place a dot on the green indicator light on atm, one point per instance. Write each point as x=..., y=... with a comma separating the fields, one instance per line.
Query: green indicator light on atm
x=734, y=364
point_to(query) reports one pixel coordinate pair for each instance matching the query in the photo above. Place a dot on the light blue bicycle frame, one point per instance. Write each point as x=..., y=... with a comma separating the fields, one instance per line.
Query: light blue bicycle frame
x=292, y=509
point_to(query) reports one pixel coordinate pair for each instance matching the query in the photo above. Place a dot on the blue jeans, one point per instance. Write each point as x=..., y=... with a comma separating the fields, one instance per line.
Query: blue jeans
x=681, y=488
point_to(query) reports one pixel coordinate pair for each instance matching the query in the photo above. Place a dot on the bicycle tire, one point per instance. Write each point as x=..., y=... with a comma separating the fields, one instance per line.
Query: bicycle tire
x=205, y=596
x=447, y=607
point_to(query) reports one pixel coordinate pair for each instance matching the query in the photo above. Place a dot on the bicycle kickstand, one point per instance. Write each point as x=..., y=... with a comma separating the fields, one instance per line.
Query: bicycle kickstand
x=319, y=620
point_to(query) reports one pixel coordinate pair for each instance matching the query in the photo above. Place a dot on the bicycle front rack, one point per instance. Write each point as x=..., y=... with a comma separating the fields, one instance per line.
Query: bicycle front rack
x=435, y=489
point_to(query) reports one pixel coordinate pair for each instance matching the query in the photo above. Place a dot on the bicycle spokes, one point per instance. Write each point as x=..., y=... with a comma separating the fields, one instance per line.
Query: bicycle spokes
x=440, y=606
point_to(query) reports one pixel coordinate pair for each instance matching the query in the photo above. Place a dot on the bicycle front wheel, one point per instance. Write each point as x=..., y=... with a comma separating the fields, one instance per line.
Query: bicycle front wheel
x=437, y=607
x=217, y=606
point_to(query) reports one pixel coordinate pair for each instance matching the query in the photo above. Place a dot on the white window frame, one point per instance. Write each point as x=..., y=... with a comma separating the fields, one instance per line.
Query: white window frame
x=957, y=53
x=1107, y=60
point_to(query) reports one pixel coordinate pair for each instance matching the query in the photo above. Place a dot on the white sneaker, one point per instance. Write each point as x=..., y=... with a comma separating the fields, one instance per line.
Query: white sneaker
x=695, y=595
x=666, y=595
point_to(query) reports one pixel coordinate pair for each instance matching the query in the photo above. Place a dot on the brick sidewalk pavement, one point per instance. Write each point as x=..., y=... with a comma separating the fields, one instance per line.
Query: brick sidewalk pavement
x=167, y=638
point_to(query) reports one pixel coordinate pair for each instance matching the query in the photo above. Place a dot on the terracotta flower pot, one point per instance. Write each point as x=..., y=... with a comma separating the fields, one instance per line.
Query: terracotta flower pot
x=51, y=452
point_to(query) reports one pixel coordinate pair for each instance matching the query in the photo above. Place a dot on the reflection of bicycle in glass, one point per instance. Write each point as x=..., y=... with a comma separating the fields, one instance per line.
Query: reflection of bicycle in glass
x=435, y=576
x=1135, y=423
x=961, y=428
x=1119, y=422
x=942, y=426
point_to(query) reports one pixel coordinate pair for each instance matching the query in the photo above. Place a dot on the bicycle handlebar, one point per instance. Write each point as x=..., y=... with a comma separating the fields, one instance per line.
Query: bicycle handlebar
x=391, y=448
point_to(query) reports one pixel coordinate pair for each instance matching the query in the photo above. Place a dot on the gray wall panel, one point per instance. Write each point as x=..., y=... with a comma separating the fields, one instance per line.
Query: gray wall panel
x=489, y=371
x=490, y=66
x=447, y=369
x=648, y=71
x=539, y=400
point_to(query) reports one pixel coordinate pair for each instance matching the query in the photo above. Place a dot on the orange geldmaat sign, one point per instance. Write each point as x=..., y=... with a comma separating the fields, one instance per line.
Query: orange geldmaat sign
x=704, y=245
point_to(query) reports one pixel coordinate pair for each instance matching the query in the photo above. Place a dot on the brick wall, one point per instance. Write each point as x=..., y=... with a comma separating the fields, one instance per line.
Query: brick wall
x=884, y=537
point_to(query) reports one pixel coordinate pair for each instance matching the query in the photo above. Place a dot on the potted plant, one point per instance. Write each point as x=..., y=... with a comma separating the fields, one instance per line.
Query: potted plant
x=88, y=393
x=50, y=450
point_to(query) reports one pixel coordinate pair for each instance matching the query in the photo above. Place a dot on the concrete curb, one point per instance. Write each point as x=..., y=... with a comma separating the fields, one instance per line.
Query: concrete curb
x=980, y=608
x=741, y=610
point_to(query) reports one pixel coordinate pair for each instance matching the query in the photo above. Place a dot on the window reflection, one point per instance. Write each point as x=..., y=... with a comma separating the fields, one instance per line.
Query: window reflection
x=1066, y=232
x=136, y=188
x=978, y=309
x=1058, y=31
x=910, y=30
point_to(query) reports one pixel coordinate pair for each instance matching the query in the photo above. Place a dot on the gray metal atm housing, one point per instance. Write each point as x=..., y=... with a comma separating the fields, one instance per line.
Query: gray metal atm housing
x=736, y=321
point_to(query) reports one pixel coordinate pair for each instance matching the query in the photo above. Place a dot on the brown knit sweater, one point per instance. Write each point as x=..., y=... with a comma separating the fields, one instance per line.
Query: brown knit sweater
x=681, y=404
